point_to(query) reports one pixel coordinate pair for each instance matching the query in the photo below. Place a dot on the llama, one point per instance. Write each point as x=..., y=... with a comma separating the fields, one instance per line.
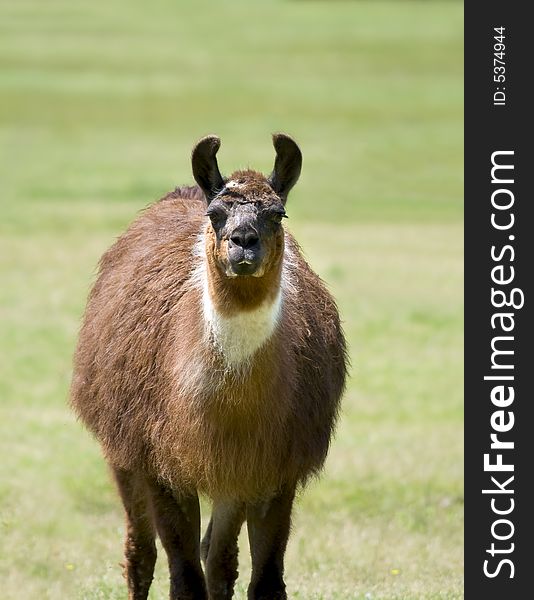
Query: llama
x=211, y=361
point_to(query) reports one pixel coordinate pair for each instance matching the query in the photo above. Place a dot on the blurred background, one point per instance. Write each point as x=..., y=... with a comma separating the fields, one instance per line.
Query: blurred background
x=100, y=105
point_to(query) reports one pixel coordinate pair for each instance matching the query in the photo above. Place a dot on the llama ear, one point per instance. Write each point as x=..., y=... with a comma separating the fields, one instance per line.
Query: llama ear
x=287, y=165
x=205, y=168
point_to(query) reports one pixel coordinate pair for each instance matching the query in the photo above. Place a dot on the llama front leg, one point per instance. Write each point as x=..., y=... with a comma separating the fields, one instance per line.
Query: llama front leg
x=268, y=526
x=140, y=547
x=220, y=549
x=177, y=519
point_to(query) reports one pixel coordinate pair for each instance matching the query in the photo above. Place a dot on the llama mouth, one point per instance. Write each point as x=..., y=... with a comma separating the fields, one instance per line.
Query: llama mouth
x=243, y=268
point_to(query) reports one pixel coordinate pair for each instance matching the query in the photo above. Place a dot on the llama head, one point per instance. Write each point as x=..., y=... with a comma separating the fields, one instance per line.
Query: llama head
x=245, y=237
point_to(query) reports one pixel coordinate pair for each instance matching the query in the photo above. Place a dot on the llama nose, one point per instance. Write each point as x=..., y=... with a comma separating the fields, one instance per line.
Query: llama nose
x=245, y=238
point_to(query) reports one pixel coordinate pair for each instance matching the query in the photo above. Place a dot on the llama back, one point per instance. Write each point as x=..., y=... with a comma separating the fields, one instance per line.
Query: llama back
x=319, y=348
x=126, y=325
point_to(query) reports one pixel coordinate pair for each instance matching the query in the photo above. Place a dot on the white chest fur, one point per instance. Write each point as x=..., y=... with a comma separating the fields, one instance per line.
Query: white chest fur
x=239, y=336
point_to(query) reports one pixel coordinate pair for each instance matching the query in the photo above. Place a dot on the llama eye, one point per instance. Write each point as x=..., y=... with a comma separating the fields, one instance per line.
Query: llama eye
x=277, y=216
x=217, y=217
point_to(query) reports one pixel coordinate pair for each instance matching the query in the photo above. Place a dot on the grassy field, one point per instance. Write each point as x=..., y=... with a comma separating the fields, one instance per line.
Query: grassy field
x=100, y=103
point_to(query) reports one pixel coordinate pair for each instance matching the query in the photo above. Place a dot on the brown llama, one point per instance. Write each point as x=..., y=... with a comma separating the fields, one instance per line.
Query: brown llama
x=211, y=360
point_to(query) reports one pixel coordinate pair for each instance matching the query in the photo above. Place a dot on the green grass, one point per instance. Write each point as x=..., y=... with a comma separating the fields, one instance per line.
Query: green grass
x=100, y=104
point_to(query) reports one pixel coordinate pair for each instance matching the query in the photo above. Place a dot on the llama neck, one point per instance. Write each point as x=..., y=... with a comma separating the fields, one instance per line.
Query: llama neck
x=240, y=314
x=239, y=335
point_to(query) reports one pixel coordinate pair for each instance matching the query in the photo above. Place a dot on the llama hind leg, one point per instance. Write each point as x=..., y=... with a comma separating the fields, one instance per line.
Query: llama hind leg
x=268, y=526
x=220, y=549
x=140, y=547
x=177, y=518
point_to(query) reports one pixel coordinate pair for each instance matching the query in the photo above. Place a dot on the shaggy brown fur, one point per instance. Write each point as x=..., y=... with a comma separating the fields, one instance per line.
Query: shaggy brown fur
x=168, y=409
